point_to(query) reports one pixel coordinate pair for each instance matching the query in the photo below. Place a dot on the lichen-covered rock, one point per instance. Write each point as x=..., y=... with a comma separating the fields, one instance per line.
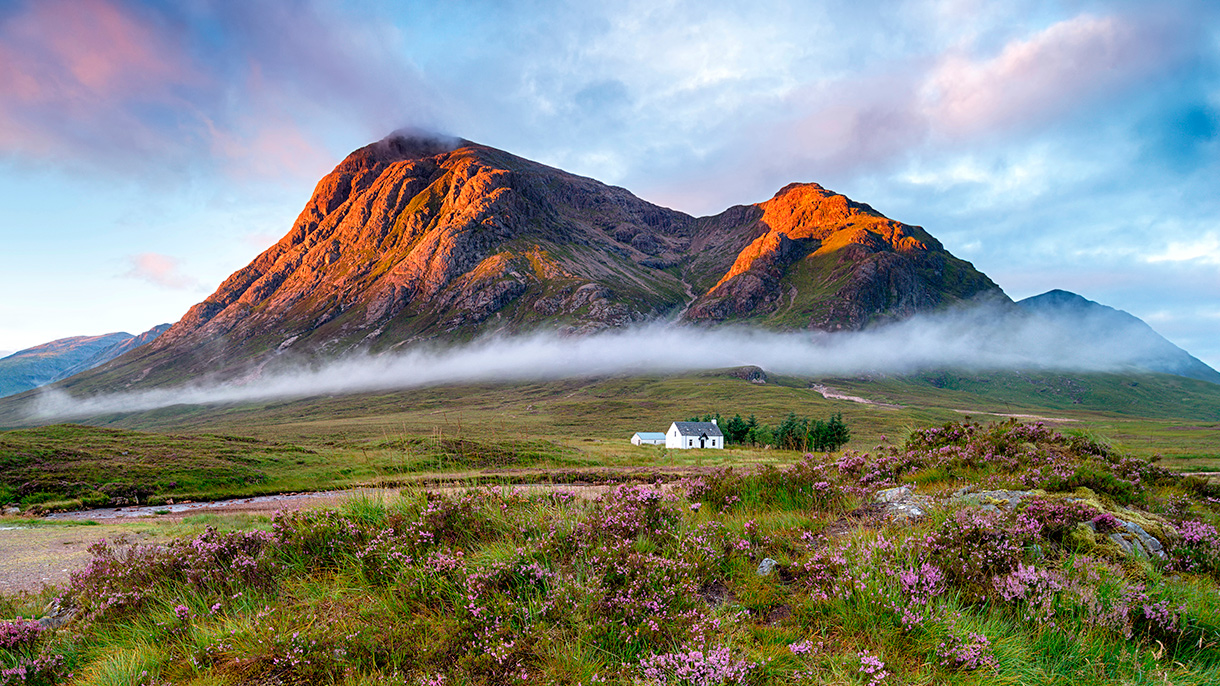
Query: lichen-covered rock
x=1134, y=540
x=991, y=500
x=902, y=503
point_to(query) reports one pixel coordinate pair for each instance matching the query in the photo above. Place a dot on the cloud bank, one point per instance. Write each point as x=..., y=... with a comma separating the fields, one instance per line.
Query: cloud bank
x=977, y=338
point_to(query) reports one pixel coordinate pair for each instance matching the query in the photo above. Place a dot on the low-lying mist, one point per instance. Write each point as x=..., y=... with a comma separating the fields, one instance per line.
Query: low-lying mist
x=988, y=337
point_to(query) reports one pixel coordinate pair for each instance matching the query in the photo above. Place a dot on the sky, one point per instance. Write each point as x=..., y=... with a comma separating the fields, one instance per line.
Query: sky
x=150, y=149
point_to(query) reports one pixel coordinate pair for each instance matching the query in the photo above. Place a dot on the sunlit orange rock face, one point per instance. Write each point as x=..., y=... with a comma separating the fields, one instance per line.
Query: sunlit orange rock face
x=822, y=261
x=412, y=238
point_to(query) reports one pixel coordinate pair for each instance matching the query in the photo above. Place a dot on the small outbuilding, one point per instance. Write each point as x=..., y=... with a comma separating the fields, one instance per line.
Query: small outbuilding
x=688, y=435
x=648, y=438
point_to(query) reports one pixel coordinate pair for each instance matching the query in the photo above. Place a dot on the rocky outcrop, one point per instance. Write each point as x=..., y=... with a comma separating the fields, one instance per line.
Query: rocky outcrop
x=902, y=503
x=1133, y=534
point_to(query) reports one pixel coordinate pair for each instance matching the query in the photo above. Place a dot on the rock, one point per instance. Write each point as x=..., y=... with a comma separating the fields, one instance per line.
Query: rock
x=1134, y=539
x=56, y=615
x=990, y=500
x=902, y=503
x=894, y=495
x=750, y=373
x=767, y=566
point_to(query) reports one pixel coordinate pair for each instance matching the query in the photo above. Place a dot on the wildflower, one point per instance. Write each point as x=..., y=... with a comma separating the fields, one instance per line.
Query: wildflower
x=18, y=632
x=969, y=653
x=872, y=667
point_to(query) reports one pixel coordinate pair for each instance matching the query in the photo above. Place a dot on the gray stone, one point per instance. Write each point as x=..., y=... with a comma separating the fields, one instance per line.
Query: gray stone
x=767, y=566
x=1122, y=542
x=1140, y=540
x=56, y=615
x=902, y=503
x=905, y=510
x=894, y=495
x=990, y=498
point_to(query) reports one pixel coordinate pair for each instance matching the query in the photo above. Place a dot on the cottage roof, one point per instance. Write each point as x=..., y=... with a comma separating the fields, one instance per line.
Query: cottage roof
x=651, y=435
x=698, y=429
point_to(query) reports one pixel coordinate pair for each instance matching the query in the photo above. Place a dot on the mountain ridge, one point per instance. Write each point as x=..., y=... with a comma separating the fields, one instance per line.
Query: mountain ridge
x=1095, y=324
x=59, y=359
x=413, y=238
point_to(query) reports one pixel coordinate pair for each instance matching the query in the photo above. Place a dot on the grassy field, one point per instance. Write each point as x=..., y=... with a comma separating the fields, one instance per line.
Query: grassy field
x=515, y=432
x=797, y=576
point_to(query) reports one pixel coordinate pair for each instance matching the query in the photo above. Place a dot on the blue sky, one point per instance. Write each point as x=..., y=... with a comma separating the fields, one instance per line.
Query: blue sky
x=148, y=150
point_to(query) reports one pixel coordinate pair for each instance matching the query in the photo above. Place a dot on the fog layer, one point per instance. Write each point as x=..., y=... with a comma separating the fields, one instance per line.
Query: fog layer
x=979, y=338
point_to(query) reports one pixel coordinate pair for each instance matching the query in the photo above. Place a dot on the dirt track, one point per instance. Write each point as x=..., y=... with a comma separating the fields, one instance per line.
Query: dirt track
x=34, y=556
x=45, y=555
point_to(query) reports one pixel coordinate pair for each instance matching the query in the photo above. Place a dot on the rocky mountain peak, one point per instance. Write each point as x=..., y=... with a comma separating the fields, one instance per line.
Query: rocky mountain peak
x=811, y=240
x=418, y=237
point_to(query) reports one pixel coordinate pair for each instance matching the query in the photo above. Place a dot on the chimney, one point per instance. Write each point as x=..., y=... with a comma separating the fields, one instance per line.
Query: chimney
x=714, y=422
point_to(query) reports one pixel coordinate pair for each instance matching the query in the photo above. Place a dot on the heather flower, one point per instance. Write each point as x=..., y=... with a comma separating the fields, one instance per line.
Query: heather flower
x=1162, y=618
x=1198, y=549
x=695, y=667
x=18, y=632
x=1105, y=522
x=969, y=652
x=801, y=648
x=1037, y=588
x=922, y=584
x=872, y=667
x=44, y=669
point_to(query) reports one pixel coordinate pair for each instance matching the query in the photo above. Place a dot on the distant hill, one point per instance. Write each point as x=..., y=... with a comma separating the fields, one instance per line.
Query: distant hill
x=60, y=359
x=1095, y=325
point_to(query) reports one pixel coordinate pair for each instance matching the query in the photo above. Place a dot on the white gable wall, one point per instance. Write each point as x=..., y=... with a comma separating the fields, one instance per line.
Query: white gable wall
x=674, y=439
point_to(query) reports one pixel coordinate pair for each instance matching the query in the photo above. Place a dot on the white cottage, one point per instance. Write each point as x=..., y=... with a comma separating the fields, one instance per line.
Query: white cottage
x=687, y=435
x=648, y=438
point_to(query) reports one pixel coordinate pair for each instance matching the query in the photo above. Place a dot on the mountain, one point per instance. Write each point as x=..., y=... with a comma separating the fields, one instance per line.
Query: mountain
x=415, y=239
x=60, y=359
x=1095, y=326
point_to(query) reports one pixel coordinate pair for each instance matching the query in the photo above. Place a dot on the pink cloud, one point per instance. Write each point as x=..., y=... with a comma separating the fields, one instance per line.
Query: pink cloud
x=69, y=72
x=842, y=126
x=1067, y=65
x=248, y=89
x=161, y=270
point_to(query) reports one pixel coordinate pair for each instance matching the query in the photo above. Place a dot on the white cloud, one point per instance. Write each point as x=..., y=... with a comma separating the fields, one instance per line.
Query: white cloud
x=1204, y=249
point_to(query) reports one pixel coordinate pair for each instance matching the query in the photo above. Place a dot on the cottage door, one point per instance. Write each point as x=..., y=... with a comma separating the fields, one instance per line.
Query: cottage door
x=703, y=441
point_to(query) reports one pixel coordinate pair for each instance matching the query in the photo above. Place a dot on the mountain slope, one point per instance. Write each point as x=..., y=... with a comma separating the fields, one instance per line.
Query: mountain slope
x=60, y=359
x=822, y=261
x=413, y=239
x=1094, y=325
